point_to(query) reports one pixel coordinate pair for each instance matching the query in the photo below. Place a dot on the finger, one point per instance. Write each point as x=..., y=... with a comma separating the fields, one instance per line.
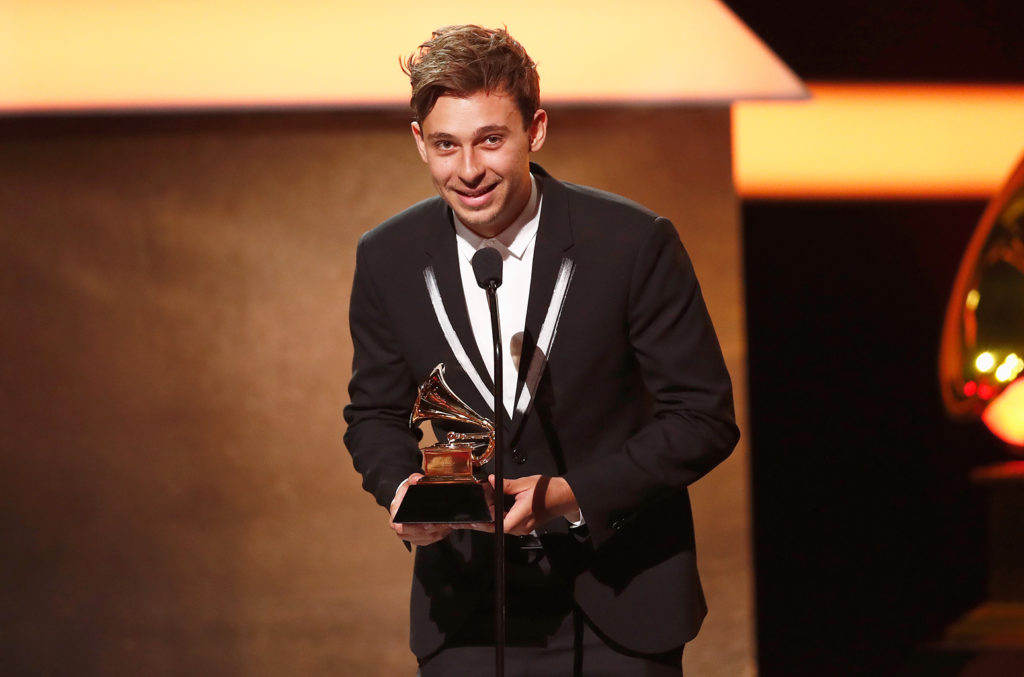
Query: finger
x=396, y=502
x=511, y=486
x=414, y=530
x=425, y=534
x=475, y=526
x=519, y=484
x=517, y=518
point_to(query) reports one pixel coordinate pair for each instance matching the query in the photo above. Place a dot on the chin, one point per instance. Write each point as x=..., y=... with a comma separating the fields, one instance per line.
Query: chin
x=476, y=219
x=477, y=224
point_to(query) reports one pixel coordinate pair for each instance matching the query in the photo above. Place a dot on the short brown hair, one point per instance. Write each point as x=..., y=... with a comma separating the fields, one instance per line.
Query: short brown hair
x=462, y=60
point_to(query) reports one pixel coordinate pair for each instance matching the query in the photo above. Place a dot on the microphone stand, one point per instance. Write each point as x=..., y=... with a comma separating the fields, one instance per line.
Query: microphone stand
x=499, y=491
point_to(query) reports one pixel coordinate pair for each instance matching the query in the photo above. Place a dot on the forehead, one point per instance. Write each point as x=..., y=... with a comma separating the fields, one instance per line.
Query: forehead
x=463, y=114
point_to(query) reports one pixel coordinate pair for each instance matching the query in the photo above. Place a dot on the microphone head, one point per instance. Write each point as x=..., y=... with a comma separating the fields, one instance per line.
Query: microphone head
x=487, y=267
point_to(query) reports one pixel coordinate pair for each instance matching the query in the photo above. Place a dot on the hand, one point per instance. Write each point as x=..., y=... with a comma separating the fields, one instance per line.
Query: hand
x=416, y=534
x=537, y=500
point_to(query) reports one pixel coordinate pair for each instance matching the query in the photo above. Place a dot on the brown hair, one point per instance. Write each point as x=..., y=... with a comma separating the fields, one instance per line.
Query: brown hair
x=462, y=60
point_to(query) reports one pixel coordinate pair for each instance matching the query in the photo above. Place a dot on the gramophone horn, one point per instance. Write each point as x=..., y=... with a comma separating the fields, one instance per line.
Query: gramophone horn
x=437, y=402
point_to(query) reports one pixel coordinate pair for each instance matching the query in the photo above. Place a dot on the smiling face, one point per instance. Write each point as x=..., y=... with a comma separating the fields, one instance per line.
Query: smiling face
x=478, y=154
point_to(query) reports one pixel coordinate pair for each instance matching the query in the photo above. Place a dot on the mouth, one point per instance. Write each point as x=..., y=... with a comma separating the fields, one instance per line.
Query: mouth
x=475, y=198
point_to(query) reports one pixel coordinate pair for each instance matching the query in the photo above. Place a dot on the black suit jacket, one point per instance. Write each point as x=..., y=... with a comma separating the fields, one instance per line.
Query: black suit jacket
x=634, y=405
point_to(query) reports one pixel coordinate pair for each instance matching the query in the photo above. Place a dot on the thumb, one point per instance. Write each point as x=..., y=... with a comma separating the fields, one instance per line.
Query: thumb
x=516, y=485
x=509, y=486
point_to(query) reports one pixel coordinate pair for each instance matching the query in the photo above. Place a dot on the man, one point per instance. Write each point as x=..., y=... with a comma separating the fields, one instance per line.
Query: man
x=618, y=393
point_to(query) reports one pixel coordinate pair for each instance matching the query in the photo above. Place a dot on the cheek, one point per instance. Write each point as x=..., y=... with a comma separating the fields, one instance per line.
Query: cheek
x=512, y=163
x=439, y=170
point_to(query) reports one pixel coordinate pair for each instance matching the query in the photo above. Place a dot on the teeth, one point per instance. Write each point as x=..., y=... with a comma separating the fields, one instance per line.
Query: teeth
x=476, y=193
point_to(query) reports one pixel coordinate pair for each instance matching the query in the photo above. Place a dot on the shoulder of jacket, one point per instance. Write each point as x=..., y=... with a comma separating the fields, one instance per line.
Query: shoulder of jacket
x=587, y=201
x=610, y=205
x=403, y=225
x=602, y=214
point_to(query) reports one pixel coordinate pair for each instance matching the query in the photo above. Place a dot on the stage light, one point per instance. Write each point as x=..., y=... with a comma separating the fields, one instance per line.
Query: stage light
x=984, y=362
x=880, y=141
x=130, y=56
x=1003, y=416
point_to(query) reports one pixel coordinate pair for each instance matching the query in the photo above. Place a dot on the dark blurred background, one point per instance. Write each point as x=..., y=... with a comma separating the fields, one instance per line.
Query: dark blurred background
x=869, y=539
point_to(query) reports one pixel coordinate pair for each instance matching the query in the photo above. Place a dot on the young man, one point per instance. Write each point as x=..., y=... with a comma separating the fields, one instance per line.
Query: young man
x=614, y=380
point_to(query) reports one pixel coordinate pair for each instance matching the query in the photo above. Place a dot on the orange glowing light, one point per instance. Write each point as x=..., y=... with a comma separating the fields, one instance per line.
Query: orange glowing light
x=1004, y=416
x=880, y=141
x=126, y=54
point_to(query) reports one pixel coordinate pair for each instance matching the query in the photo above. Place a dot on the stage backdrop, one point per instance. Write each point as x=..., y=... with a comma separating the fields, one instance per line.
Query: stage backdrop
x=175, y=497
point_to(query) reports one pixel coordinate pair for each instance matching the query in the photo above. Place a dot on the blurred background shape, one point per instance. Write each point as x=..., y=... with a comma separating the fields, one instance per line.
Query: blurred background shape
x=980, y=357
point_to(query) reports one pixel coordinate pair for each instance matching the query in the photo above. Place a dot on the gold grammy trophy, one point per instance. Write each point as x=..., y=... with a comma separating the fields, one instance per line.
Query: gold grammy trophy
x=448, y=492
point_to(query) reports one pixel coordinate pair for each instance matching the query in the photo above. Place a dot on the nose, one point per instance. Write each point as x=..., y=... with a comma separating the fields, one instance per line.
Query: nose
x=471, y=169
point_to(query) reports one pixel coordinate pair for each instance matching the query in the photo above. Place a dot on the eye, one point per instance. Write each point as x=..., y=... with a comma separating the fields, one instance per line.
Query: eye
x=444, y=144
x=492, y=140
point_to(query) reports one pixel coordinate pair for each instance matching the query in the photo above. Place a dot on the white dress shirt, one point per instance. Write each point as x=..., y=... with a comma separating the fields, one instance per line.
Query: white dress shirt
x=516, y=246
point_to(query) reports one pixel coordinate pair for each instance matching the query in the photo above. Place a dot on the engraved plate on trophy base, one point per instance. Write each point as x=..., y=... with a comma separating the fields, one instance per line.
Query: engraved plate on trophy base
x=444, y=463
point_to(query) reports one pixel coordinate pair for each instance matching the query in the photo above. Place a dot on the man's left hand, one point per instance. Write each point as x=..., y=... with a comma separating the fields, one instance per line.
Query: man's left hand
x=537, y=500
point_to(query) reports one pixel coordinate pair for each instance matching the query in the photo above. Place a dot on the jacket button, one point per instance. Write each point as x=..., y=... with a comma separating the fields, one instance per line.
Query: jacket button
x=519, y=456
x=618, y=524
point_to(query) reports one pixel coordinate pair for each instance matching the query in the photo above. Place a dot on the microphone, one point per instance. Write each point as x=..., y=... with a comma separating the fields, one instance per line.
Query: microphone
x=487, y=267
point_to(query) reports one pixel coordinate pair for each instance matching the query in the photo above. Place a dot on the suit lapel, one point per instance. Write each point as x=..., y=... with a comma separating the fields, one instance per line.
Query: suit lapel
x=442, y=252
x=554, y=241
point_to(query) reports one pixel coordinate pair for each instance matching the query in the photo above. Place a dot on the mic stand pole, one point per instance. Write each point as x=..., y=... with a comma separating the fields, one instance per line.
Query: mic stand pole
x=499, y=484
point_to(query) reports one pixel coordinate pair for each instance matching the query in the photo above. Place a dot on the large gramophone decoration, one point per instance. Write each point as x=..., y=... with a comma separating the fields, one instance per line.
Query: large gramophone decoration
x=981, y=358
x=449, y=492
x=981, y=367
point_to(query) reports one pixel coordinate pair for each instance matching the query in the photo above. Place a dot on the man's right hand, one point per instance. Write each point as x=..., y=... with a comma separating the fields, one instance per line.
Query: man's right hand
x=416, y=534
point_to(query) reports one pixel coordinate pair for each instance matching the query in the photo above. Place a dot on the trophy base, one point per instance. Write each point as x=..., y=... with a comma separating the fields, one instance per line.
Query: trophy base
x=444, y=502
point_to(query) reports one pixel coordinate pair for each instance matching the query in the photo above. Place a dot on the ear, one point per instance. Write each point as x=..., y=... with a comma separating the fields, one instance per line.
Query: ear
x=421, y=145
x=538, y=130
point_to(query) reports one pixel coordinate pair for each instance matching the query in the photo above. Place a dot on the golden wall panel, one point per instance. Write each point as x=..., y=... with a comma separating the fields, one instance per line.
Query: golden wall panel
x=176, y=496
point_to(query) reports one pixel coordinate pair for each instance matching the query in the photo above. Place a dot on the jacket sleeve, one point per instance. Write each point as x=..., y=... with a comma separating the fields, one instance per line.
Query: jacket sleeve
x=382, y=391
x=677, y=352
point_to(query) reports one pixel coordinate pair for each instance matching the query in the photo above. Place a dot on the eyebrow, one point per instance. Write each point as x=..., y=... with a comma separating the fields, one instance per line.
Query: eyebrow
x=482, y=131
x=490, y=129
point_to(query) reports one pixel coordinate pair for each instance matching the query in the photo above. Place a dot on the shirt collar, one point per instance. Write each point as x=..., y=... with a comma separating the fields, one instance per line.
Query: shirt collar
x=514, y=240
